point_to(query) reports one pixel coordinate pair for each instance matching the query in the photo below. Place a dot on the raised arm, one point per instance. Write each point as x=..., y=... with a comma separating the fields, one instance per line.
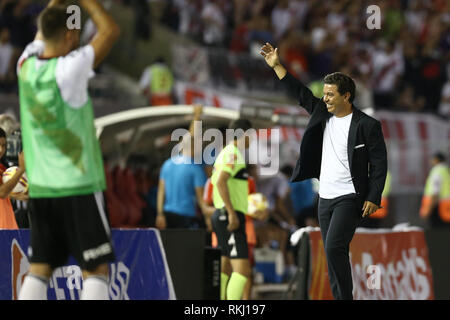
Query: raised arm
x=198, y=110
x=302, y=93
x=107, y=29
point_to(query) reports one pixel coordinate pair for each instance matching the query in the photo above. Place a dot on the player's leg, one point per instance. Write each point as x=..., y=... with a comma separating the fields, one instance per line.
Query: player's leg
x=95, y=283
x=224, y=276
x=239, y=261
x=219, y=221
x=246, y=295
x=89, y=237
x=48, y=249
x=34, y=286
x=241, y=273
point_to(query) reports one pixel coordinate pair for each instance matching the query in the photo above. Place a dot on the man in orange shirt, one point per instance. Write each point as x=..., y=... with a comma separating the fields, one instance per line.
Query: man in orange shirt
x=7, y=218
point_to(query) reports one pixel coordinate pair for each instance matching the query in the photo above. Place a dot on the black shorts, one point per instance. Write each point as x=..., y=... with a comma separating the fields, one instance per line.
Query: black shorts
x=233, y=244
x=76, y=226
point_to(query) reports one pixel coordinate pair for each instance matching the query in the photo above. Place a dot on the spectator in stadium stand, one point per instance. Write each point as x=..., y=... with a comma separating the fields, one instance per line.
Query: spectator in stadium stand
x=344, y=148
x=214, y=23
x=388, y=67
x=436, y=197
x=181, y=186
x=444, y=105
x=18, y=16
x=7, y=218
x=67, y=207
x=230, y=192
x=8, y=124
x=407, y=101
x=7, y=75
x=157, y=83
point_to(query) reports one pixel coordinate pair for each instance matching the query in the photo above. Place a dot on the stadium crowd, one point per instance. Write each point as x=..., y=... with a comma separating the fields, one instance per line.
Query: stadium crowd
x=404, y=64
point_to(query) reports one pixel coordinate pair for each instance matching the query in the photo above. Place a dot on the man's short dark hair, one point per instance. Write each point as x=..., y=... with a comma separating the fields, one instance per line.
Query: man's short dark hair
x=439, y=156
x=52, y=22
x=2, y=133
x=237, y=124
x=243, y=124
x=343, y=83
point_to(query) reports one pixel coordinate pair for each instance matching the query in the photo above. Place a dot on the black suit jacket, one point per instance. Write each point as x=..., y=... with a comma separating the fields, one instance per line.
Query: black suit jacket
x=368, y=162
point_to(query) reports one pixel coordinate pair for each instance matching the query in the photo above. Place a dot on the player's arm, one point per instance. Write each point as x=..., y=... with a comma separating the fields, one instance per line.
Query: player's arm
x=295, y=87
x=160, y=218
x=107, y=29
x=222, y=188
x=7, y=187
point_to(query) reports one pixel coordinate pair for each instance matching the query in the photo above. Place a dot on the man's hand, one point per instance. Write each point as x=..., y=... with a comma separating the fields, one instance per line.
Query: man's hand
x=198, y=110
x=369, y=208
x=261, y=215
x=161, y=222
x=233, y=222
x=270, y=55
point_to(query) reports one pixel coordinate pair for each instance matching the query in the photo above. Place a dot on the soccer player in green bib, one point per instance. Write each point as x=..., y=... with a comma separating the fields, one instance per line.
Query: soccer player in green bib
x=63, y=156
x=230, y=192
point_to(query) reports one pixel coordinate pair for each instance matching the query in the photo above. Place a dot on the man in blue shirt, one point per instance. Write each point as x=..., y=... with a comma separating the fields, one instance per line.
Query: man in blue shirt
x=180, y=188
x=303, y=199
x=179, y=185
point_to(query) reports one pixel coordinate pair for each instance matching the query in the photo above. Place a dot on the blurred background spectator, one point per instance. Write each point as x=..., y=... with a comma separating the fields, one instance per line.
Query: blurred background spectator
x=157, y=83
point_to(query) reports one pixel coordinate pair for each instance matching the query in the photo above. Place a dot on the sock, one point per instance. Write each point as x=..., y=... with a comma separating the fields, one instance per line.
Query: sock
x=223, y=285
x=33, y=288
x=236, y=286
x=95, y=288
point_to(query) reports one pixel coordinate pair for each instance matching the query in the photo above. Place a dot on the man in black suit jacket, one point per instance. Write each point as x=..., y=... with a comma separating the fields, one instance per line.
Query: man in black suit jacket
x=344, y=148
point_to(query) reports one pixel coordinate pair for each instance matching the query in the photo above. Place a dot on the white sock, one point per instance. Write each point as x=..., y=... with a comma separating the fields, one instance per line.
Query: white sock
x=95, y=288
x=33, y=288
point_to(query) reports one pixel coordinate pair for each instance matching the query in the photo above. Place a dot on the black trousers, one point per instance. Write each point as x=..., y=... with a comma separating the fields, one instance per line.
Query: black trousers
x=338, y=219
x=178, y=221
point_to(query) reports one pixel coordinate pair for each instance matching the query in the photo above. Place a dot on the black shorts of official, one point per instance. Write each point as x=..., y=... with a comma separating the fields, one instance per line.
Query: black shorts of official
x=233, y=244
x=76, y=226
